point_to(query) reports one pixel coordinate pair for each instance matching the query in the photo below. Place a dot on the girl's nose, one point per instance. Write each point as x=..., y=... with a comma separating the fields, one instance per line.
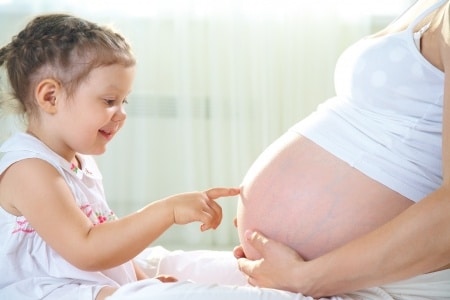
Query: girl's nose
x=120, y=114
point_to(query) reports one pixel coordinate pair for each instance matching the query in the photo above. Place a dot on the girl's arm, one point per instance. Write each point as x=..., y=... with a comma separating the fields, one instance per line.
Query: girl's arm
x=36, y=190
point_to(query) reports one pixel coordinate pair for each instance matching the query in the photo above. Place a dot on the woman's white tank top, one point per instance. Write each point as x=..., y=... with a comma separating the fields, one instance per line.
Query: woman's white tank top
x=386, y=119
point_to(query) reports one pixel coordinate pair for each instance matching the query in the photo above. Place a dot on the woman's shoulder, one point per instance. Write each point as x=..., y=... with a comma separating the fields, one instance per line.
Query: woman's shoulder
x=413, y=16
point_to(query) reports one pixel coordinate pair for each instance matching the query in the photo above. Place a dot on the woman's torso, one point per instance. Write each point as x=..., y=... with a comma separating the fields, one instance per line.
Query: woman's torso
x=301, y=194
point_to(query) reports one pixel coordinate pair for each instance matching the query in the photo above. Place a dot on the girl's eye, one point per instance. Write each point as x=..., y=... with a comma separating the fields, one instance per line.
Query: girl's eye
x=110, y=102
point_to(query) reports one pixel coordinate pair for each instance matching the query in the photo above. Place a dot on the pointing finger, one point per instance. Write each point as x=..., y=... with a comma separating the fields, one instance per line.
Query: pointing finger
x=215, y=193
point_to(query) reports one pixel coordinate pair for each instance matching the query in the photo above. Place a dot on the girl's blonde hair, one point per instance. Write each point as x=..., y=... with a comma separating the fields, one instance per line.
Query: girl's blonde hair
x=62, y=47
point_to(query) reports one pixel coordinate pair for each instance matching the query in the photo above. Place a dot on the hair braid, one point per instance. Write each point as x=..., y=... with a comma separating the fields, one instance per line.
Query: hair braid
x=62, y=47
x=4, y=51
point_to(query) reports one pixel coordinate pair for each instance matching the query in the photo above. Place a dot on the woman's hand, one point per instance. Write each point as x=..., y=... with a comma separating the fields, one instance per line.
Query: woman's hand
x=200, y=206
x=277, y=266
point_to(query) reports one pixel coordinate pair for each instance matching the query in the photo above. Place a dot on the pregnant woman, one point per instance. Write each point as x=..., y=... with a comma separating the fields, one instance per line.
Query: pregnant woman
x=358, y=189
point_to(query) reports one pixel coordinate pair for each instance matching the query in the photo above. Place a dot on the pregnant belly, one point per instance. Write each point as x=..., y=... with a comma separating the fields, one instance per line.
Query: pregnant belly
x=301, y=195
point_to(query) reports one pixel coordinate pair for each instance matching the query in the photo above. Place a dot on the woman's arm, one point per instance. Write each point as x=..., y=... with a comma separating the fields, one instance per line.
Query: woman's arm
x=414, y=243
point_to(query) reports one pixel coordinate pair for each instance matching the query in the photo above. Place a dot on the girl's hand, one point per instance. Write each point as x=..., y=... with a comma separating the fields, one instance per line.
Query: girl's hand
x=200, y=206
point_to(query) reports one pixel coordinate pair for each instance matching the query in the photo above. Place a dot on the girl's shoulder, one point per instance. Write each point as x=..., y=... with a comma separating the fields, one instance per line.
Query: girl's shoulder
x=23, y=146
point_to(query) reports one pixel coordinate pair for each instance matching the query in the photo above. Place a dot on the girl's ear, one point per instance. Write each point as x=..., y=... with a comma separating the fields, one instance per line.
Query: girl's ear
x=46, y=95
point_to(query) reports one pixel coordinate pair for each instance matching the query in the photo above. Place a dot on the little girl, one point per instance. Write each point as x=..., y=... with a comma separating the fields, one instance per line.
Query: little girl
x=59, y=239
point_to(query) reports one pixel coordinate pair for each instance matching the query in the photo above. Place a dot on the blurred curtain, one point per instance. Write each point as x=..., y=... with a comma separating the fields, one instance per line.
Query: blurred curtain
x=217, y=81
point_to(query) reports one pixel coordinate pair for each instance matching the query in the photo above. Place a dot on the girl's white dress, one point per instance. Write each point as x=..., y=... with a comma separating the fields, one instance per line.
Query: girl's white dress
x=30, y=268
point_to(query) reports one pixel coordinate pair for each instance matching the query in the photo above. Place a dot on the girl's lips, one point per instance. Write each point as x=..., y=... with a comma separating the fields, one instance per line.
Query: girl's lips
x=106, y=134
x=109, y=132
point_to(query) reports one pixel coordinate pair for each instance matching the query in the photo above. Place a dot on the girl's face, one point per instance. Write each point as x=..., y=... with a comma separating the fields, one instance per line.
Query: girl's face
x=96, y=111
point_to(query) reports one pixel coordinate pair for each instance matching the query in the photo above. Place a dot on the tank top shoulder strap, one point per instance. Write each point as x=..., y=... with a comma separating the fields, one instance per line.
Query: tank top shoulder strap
x=425, y=13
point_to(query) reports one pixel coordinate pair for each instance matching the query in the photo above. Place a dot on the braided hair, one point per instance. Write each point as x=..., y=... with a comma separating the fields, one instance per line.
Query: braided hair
x=62, y=47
